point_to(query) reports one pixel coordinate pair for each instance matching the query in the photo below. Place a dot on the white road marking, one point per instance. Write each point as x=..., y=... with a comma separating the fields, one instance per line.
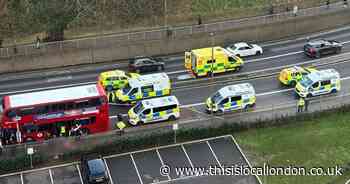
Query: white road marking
x=162, y=162
x=51, y=178
x=212, y=151
x=81, y=178
x=108, y=171
x=137, y=170
x=188, y=158
x=273, y=57
x=22, y=181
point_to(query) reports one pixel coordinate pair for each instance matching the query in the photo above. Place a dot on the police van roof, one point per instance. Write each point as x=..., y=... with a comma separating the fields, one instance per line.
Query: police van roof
x=237, y=89
x=149, y=79
x=161, y=101
x=53, y=95
x=324, y=75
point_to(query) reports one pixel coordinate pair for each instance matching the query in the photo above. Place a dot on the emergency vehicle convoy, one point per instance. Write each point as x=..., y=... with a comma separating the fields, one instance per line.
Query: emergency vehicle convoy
x=233, y=97
x=40, y=115
x=318, y=83
x=202, y=62
x=115, y=79
x=143, y=87
x=290, y=76
x=154, y=110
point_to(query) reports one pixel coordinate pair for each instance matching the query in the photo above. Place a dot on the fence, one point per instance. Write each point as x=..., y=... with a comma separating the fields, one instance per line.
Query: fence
x=158, y=34
x=250, y=118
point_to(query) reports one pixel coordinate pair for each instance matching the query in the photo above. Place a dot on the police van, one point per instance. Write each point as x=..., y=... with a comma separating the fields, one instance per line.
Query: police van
x=233, y=97
x=115, y=79
x=202, y=62
x=145, y=86
x=155, y=109
x=318, y=83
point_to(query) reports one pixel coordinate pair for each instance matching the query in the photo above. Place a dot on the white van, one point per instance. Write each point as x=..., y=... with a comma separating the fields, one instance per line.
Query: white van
x=318, y=83
x=155, y=109
x=233, y=97
x=145, y=86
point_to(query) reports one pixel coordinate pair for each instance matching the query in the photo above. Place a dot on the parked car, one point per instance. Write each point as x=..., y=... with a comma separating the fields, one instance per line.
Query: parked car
x=143, y=64
x=93, y=170
x=318, y=48
x=243, y=49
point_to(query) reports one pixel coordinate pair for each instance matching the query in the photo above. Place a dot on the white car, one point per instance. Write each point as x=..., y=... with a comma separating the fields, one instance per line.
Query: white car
x=242, y=49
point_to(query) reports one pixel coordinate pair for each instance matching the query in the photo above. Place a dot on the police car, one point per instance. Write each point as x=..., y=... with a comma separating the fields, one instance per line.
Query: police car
x=115, y=79
x=145, y=86
x=233, y=97
x=153, y=110
x=290, y=76
x=318, y=83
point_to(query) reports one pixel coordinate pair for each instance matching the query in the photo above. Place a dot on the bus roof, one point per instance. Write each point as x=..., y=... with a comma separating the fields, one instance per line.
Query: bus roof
x=54, y=95
x=161, y=101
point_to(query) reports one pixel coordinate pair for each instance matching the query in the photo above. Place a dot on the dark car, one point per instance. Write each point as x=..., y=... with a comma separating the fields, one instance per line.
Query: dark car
x=93, y=170
x=319, y=48
x=143, y=64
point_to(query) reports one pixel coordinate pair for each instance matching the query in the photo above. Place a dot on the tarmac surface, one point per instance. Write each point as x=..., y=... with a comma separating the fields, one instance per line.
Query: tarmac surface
x=183, y=163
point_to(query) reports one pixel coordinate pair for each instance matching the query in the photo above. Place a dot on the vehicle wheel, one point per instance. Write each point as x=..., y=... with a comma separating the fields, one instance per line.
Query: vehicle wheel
x=334, y=91
x=258, y=53
x=252, y=105
x=238, y=55
x=293, y=83
x=159, y=68
x=172, y=118
x=309, y=95
x=238, y=68
x=29, y=139
x=220, y=111
x=85, y=131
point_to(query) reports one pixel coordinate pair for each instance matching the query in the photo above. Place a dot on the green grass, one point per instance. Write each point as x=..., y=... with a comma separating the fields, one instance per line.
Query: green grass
x=322, y=142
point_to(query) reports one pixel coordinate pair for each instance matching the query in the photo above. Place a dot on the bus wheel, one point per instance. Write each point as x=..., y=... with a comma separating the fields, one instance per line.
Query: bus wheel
x=85, y=131
x=172, y=118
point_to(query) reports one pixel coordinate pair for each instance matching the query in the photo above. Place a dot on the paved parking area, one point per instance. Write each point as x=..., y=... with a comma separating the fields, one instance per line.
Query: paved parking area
x=143, y=167
x=193, y=159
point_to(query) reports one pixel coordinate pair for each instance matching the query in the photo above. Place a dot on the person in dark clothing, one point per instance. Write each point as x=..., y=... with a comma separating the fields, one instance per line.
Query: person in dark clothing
x=328, y=3
x=199, y=20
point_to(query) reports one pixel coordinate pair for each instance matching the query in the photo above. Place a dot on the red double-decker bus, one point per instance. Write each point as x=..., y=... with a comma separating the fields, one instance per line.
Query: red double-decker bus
x=40, y=115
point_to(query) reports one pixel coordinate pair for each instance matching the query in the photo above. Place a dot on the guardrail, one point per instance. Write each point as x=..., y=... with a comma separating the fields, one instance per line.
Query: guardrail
x=161, y=33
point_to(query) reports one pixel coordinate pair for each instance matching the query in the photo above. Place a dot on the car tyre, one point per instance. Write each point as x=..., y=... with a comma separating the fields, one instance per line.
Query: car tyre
x=338, y=50
x=238, y=55
x=309, y=95
x=85, y=131
x=258, y=53
x=318, y=55
x=334, y=91
x=238, y=68
x=293, y=83
x=172, y=118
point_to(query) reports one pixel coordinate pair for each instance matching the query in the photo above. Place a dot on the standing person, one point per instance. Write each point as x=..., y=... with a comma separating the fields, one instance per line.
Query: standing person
x=37, y=42
x=120, y=124
x=63, y=130
x=295, y=10
x=328, y=3
x=345, y=3
x=301, y=104
x=199, y=20
x=307, y=101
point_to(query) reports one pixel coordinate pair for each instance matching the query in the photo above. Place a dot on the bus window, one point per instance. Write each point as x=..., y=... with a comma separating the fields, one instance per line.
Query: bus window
x=11, y=114
x=26, y=111
x=94, y=102
x=62, y=107
x=70, y=106
x=54, y=107
x=83, y=104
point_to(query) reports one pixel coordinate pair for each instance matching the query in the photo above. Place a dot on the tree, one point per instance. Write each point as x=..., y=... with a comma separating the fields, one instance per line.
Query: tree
x=53, y=16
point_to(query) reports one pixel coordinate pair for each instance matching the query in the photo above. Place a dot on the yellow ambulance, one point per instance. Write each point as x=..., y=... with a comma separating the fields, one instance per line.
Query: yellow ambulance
x=202, y=62
x=290, y=76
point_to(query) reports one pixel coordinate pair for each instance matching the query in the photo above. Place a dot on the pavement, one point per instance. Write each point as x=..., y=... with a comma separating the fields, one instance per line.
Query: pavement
x=155, y=166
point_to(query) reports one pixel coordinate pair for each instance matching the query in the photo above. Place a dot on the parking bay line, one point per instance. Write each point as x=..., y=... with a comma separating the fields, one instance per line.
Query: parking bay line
x=188, y=158
x=212, y=151
x=51, y=178
x=162, y=162
x=81, y=178
x=137, y=170
x=108, y=171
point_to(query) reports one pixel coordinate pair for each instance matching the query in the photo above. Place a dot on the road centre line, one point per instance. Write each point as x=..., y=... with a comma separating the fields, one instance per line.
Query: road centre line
x=81, y=178
x=108, y=171
x=137, y=170
x=212, y=151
